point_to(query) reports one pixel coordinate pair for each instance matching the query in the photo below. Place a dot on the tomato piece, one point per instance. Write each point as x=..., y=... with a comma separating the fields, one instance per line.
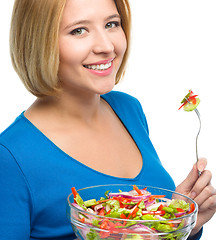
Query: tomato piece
x=104, y=224
x=180, y=210
x=123, y=216
x=101, y=212
x=160, y=207
x=82, y=220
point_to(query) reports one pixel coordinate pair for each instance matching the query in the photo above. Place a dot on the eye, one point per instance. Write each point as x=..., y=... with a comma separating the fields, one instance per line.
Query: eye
x=78, y=31
x=112, y=24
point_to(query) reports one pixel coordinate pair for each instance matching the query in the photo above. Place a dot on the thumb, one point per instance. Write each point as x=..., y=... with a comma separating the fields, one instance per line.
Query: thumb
x=187, y=185
x=201, y=164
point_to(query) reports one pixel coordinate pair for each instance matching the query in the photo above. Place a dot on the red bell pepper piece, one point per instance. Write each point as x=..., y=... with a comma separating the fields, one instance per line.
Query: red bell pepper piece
x=152, y=197
x=109, y=211
x=104, y=200
x=74, y=191
x=189, y=97
x=192, y=208
x=137, y=190
x=135, y=212
x=182, y=105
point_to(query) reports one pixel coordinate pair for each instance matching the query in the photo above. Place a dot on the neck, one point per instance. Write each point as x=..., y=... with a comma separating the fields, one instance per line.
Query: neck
x=85, y=108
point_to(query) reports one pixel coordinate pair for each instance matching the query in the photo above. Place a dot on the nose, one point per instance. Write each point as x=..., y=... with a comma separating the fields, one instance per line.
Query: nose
x=103, y=43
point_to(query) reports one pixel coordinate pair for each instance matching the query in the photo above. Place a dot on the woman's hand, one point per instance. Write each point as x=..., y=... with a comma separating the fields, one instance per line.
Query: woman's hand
x=199, y=188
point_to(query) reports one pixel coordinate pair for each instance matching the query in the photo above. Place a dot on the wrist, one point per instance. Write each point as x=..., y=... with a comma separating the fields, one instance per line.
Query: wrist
x=195, y=234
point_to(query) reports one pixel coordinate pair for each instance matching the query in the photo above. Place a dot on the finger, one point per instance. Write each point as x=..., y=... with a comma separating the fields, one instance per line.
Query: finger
x=206, y=193
x=187, y=185
x=210, y=203
x=201, y=164
x=202, y=182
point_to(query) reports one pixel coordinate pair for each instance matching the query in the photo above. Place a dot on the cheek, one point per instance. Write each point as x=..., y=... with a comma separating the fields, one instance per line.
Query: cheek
x=71, y=53
x=121, y=44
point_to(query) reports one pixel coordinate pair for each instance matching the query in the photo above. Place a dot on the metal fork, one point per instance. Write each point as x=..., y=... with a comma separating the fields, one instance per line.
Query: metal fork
x=198, y=115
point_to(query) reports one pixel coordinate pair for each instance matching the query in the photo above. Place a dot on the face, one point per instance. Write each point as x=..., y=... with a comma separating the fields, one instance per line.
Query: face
x=92, y=45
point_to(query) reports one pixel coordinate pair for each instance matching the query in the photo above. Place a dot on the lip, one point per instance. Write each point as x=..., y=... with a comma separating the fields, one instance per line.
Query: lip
x=101, y=62
x=101, y=73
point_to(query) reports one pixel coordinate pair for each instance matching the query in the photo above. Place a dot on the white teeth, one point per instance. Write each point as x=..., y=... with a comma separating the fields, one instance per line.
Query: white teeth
x=100, y=67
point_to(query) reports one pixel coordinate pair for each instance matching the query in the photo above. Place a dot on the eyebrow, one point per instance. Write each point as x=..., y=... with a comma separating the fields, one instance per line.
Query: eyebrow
x=87, y=21
x=113, y=16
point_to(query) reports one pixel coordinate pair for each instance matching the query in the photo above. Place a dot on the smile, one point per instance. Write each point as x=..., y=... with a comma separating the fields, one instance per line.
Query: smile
x=99, y=67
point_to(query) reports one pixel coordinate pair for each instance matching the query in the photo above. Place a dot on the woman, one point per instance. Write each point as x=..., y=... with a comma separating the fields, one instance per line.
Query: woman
x=78, y=132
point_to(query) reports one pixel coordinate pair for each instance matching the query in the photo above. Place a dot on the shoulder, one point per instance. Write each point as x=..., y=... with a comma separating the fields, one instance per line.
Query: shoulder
x=117, y=96
x=15, y=133
x=126, y=106
x=10, y=150
x=123, y=101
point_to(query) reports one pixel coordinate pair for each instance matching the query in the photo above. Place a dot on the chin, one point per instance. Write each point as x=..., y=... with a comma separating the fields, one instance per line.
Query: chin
x=106, y=89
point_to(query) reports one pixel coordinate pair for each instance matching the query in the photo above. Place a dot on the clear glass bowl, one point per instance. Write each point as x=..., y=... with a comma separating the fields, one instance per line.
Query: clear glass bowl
x=85, y=230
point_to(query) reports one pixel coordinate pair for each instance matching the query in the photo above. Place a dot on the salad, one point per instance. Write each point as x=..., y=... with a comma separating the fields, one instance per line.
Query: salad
x=114, y=210
x=190, y=102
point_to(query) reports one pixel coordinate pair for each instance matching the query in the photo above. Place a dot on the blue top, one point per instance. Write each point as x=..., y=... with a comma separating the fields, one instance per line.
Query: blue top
x=36, y=176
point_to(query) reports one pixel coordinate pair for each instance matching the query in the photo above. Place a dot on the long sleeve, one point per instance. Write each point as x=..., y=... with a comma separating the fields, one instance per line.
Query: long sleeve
x=14, y=200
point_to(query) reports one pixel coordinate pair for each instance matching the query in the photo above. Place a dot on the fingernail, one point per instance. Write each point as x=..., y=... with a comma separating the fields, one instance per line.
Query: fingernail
x=201, y=168
x=192, y=195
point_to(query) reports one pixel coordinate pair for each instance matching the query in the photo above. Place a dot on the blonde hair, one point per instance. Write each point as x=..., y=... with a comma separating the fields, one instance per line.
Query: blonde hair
x=123, y=8
x=34, y=42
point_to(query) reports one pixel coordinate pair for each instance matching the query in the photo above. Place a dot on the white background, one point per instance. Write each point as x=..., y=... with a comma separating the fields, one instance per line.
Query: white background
x=173, y=50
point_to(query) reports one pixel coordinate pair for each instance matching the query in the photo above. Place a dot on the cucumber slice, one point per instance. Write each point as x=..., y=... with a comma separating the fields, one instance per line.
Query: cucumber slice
x=90, y=202
x=190, y=106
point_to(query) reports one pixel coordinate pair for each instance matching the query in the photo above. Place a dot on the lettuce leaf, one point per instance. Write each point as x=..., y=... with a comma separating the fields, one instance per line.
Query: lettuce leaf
x=177, y=203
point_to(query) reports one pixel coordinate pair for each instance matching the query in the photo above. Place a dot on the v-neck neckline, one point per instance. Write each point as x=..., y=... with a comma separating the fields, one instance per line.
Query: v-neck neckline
x=123, y=121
